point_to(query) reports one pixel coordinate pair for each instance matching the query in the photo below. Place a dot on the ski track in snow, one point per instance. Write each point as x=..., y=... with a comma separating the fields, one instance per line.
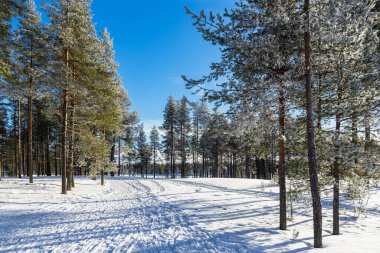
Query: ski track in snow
x=164, y=215
x=126, y=216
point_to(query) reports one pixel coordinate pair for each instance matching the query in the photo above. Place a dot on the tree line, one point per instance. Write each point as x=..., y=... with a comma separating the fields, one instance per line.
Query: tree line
x=196, y=141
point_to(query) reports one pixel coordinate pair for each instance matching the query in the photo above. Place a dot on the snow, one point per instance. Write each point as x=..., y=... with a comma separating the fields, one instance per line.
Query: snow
x=164, y=215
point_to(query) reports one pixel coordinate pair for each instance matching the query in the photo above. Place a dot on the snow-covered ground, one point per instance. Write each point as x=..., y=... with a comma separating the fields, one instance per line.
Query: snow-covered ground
x=162, y=215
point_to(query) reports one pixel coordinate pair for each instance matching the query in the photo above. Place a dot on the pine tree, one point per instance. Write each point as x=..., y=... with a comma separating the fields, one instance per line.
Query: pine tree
x=3, y=137
x=155, y=147
x=8, y=10
x=108, y=59
x=32, y=56
x=346, y=45
x=262, y=51
x=129, y=138
x=199, y=124
x=87, y=81
x=144, y=152
x=313, y=169
x=169, y=133
x=182, y=128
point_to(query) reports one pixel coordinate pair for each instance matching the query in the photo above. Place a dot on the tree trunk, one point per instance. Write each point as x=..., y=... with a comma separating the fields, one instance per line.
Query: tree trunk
x=354, y=134
x=119, y=158
x=203, y=164
x=63, y=141
x=112, y=153
x=56, y=160
x=281, y=165
x=182, y=152
x=172, y=151
x=247, y=162
x=215, y=172
x=154, y=161
x=367, y=125
x=102, y=177
x=48, y=167
x=24, y=159
x=15, y=163
x=36, y=158
x=19, y=155
x=336, y=174
x=313, y=169
x=234, y=169
x=69, y=151
x=43, y=158
x=183, y=175
x=72, y=139
x=337, y=161
x=197, y=148
x=146, y=168
x=194, y=169
x=30, y=132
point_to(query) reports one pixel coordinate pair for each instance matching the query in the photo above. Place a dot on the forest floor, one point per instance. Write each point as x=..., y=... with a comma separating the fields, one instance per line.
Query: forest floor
x=162, y=215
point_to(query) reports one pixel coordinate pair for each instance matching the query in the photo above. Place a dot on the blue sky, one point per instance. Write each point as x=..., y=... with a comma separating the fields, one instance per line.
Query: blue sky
x=155, y=43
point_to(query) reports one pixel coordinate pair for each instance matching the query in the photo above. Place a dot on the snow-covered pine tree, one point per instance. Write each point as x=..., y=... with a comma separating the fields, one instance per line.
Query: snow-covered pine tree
x=124, y=144
x=312, y=158
x=155, y=147
x=260, y=43
x=84, y=72
x=213, y=141
x=108, y=59
x=66, y=16
x=3, y=137
x=182, y=128
x=8, y=10
x=144, y=152
x=32, y=57
x=194, y=143
x=129, y=137
x=169, y=137
x=200, y=119
x=344, y=48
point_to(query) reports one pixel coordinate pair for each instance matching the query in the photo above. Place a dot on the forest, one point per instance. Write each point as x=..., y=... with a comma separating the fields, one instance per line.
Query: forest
x=294, y=100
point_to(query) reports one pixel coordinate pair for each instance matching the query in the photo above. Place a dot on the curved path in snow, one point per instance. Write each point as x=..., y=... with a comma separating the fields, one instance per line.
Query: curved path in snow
x=124, y=216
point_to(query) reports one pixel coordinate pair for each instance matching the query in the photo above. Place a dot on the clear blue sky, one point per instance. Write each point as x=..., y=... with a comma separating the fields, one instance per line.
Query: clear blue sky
x=155, y=43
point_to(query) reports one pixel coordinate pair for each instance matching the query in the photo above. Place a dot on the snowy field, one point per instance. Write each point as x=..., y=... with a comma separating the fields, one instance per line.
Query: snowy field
x=193, y=215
